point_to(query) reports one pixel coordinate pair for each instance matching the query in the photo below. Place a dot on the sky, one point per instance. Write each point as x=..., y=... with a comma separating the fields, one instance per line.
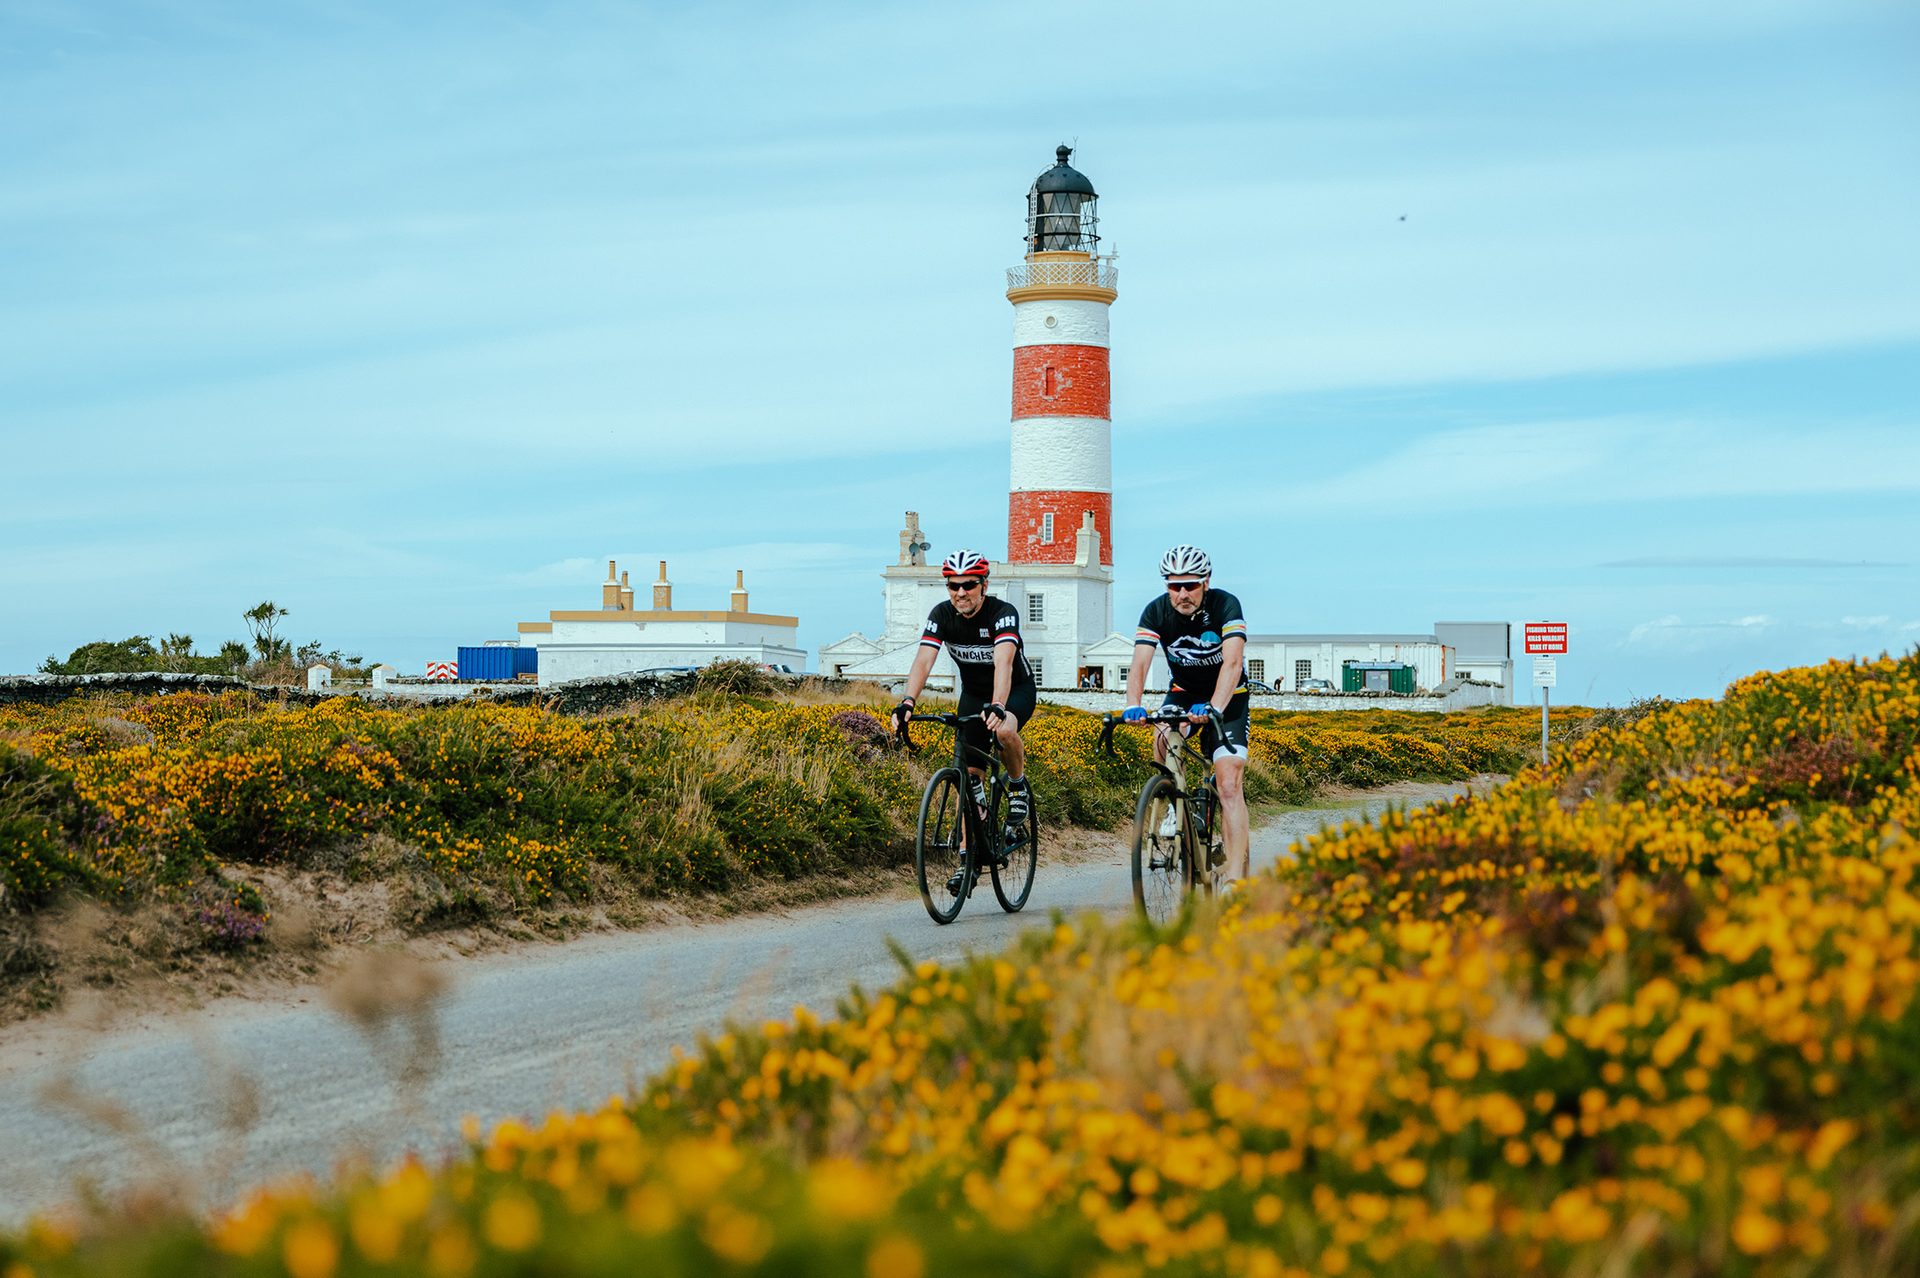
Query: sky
x=409, y=317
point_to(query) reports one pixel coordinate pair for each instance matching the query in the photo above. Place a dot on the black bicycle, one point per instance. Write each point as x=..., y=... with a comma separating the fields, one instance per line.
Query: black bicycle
x=957, y=837
x=1178, y=847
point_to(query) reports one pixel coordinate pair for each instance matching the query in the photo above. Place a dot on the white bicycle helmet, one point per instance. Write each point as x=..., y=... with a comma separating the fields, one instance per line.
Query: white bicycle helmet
x=964, y=563
x=1186, y=561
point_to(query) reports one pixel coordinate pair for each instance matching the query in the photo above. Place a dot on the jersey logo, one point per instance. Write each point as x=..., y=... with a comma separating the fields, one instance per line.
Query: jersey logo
x=1190, y=651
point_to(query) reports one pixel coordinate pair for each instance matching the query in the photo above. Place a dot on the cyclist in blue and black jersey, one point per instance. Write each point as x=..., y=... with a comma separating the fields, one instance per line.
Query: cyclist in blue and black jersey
x=1204, y=635
x=982, y=635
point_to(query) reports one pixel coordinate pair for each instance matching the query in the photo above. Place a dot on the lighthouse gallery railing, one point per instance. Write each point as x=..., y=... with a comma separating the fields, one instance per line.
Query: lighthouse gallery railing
x=1094, y=274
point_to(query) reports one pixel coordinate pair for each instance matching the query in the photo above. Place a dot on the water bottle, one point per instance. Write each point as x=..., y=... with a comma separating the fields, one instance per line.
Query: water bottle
x=979, y=792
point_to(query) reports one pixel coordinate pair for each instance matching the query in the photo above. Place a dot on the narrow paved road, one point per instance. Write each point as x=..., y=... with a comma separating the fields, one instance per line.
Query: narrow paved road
x=240, y=1093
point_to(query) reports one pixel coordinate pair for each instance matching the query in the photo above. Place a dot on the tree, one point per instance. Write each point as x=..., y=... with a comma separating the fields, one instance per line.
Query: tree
x=261, y=619
x=131, y=655
x=233, y=656
x=176, y=652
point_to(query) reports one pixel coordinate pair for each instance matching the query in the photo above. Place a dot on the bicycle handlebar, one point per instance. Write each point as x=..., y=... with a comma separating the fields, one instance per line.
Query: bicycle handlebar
x=950, y=719
x=1164, y=715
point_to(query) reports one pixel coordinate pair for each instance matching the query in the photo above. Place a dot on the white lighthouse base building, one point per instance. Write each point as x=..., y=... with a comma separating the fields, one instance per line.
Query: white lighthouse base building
x=1066, y=618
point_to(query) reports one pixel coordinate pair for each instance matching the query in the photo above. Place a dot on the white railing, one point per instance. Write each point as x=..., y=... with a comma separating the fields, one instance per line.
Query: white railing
x=1098, y=273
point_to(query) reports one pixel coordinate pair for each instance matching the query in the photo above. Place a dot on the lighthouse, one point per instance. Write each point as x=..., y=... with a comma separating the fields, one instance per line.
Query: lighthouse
x=1058, y=570
x=1062, y=425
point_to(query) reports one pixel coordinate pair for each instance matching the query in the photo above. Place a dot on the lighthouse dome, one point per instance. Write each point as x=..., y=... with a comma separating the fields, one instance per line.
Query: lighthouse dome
x=1063, y=177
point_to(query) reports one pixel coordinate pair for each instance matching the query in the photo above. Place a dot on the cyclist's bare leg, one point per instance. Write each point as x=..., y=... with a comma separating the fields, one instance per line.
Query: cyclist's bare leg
x=1013, y=751
x=1229, y=775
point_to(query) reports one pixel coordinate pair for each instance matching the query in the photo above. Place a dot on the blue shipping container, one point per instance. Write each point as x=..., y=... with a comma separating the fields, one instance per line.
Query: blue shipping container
x=486, y=663
x=526, y=661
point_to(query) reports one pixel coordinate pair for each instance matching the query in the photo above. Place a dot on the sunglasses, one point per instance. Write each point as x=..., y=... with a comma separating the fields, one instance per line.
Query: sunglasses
x=962, y=585
x=1180, y=587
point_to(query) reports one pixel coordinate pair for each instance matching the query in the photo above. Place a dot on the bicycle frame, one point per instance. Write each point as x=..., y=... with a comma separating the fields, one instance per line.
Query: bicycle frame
x=1187, y=747
x=1189, y=751
x=979, y=840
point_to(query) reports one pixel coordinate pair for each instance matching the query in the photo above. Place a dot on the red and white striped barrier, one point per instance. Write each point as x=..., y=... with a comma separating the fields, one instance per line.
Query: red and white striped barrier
x=445, y=670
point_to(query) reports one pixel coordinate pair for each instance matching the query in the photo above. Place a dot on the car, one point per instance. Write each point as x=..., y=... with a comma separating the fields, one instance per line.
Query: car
x=1316, y=686
x=1257, y=685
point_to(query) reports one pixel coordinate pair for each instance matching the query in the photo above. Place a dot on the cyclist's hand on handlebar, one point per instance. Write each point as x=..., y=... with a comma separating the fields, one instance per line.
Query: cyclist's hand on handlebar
x=991, y=714
x=1134, y=714
x=900, y=713
x=1199, y=711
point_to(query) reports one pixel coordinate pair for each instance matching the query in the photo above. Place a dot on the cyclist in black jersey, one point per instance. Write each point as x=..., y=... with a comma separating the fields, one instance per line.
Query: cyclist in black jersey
x=982, y=634
x=1204, y=636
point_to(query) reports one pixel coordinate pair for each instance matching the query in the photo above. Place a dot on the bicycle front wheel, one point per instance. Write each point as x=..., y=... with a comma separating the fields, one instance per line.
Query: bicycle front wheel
x=1013, y=868
x=940, y=846
x=1209, y=843
x=1162, y=870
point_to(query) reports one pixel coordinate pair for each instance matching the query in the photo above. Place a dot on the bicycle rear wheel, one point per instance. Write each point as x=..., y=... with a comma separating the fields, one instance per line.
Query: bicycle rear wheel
x=1162, y=869
x=940, y=846
x=1013, y=880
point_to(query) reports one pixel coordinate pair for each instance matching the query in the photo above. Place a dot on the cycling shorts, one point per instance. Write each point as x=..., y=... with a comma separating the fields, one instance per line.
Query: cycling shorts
x=1020, y=704
x=1237, y=717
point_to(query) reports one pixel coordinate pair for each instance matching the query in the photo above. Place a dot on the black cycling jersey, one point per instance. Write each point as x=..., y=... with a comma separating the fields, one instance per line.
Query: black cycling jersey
x=1195, y=645
x=970, y=641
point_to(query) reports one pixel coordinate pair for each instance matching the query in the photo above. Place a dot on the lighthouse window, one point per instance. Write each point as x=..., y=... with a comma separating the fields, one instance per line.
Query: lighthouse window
x=1036, y=608
x=1049, y=382
x=1046, y=529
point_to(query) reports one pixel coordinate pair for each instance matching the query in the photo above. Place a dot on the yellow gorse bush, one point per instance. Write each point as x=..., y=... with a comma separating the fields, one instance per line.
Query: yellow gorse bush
x=1650, y=1009
x=128, y=798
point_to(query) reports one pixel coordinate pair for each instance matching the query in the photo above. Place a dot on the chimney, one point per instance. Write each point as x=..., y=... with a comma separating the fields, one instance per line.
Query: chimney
x=663, y=591
x=1086, y=548
x=739, y=590
x=912, y=548
x=610, y=589
x=626, y=593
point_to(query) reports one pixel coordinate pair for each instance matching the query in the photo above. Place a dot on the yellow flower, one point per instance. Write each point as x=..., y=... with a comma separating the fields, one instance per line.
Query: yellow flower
x=895, y=1256
x=1756, y=1233
x=1408, y=1173
x=310, y=1250
x=511, y=1222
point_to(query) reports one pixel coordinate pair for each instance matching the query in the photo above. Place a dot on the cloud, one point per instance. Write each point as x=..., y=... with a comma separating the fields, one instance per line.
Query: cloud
x=1616, y=458
x=1676, y=634
x=1743, y=561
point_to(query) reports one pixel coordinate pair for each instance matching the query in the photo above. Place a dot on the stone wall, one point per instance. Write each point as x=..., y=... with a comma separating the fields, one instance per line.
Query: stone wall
x=579, y=696
x=1463, y=697
x=45, y=689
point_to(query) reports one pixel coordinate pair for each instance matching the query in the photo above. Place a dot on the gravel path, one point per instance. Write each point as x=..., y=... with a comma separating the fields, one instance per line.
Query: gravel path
x=246, y=1091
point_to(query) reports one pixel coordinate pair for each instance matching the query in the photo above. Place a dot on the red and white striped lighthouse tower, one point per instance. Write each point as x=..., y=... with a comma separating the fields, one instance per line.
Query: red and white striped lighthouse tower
x=1062, y=446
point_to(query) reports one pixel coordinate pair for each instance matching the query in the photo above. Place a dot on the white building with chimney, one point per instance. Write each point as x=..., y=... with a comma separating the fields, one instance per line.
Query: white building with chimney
x=617, y=638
